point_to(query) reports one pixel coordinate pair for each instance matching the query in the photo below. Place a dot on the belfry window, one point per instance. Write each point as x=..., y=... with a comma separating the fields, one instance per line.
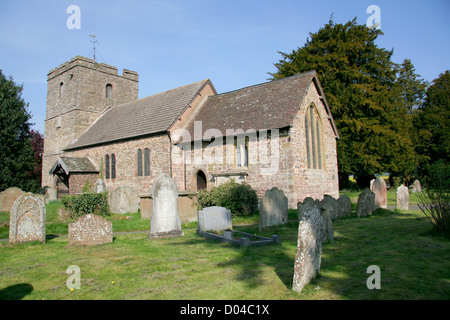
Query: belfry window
x=61, y=89
x=108, y=91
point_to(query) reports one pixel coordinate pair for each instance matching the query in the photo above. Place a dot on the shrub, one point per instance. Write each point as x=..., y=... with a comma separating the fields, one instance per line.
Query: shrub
x=241, y=199
x=95, y=203
x=434, y=200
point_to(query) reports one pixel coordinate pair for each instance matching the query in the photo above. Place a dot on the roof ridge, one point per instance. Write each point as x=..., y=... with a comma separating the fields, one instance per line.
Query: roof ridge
x=297, y=75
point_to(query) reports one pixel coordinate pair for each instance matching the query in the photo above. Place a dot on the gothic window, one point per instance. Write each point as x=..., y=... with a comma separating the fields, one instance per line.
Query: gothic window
x=139, y=163
x=313, y=135
x=146, y=162
x=107, y=171
x=61, y=89
x=109, y=91
x=113, y=166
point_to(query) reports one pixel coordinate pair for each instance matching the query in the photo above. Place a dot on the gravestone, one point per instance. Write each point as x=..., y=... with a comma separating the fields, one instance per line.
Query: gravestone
x=27, y=219
x=8, y=197
x=416, y=186
x=89, y=230
x=214, y=219
x=304, y=206
x=273, y=208
x=309, y=249
x=365, y=203
x=344, y=206
x=402, y=198
x=331, y=204
x=123, y=200
x=165, y=220
x=100, y=186
x=326, y=210
x=380, y=191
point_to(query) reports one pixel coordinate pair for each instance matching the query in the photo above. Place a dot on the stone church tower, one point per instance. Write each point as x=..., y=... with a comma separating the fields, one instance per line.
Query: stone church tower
x=78, y=92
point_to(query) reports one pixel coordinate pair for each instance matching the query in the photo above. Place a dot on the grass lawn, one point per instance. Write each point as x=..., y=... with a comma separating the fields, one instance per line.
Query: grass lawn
x=414, y=263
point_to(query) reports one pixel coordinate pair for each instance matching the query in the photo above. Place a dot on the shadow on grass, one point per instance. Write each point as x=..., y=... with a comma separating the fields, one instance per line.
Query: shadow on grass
x=16, y=292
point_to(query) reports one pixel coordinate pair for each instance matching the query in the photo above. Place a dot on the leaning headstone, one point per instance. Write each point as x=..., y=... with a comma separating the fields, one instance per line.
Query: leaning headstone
x=100, y=186
x=165, y=220
x=8, y=197
x=90, y=230
x=344, y=206
x=365, y=203
x=123, y=200
x=402, y=198
x=273, y=208
x=380, y=191
x=214, y=219
x=309, y=249
x=27, y=219
x=304, y=206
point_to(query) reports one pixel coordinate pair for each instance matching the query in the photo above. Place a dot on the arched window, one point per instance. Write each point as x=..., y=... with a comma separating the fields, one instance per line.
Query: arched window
x=146, y=162
x=113, y=166
x=139, y=163
x=61, y=89
x=107, y=171
x=313, y=135
x=108, y=91
x=201, y=181
x=241, y=152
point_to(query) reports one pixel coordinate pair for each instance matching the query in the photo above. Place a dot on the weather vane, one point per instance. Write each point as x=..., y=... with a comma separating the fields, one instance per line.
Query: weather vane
x=94, y=42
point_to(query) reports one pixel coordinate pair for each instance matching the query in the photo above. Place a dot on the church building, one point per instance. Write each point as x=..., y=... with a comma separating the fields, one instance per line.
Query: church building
x=275, y=134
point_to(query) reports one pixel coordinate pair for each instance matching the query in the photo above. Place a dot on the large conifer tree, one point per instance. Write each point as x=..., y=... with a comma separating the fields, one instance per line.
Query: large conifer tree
x=359, y=80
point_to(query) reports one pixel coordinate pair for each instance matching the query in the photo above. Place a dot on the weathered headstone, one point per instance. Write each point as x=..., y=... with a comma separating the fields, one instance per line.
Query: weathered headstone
x=402, y=198
x=27, y=219
x=273, y=208
x=309, y=249
x=331, y=204
x=304, y=206
x=214, y=219
x=326, y=210
x=365, y=203
x=89, y=230
x=165, y=220
x=123, y=200
x=380, y=191
x=416, y=186
x=8, y=197
x=344, y=206
x=100, y=186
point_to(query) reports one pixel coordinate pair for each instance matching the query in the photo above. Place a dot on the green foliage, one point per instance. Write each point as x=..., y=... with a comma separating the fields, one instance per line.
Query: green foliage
x=369, y=105
x=87, y=187
x=239, y=198
x=86, y=203
x=434, y=201
x=17, y=157
x=432, y=120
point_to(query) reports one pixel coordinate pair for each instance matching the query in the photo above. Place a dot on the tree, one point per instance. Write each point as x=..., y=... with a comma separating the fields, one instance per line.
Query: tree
x=432, y=120
x=359, y=81
x=17, y=158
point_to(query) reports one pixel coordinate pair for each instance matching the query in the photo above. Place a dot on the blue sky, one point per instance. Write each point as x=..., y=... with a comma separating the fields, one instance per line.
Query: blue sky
x=177, y=42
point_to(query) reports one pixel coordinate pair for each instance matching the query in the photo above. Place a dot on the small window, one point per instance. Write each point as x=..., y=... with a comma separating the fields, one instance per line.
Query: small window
x=61, y=89
x=313, y=135
x=107, y=167
x=242, y=153
x=113, y=166
x=108, y=91
x=146, y=162
x=139, y=163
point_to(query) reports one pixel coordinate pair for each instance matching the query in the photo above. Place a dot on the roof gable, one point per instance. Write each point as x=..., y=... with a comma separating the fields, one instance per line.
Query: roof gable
x=74, y=165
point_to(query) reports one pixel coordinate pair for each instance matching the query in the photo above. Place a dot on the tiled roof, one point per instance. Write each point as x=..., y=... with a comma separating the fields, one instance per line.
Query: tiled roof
x=145, y=116
x=72, y=165
x=270, y=105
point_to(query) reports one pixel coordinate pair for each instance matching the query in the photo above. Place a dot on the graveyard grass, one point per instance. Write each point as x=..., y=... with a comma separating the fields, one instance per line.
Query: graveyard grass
x=412, y=258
